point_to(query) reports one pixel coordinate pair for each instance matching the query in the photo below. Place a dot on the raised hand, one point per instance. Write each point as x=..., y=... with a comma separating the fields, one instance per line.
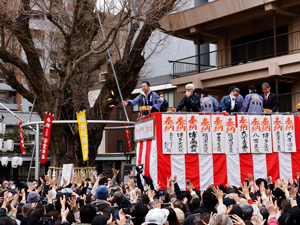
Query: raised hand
x=174, y=179
x=272, y=207
x=219, y=194
x=116, y=172
x=235, y=198
x=245, y=191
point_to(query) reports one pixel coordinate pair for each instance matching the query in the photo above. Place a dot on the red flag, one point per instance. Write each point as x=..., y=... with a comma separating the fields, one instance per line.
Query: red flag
x=128, y=138
x=46, y=137
x=21, y=139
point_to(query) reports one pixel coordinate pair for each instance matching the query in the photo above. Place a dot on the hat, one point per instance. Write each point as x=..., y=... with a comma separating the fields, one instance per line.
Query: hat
x=9, y=183
x=102, y=192
x=157, y=216
x=118, y=197
x=180, y=215
x=228, y=201
x=33, y=197
x=124, y=204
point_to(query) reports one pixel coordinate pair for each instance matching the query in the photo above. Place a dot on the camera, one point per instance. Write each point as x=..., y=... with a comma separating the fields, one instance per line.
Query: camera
x=139, y=168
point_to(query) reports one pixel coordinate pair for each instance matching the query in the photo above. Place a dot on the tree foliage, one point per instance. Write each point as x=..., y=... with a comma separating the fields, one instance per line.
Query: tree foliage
x=14, y=134
x=69, y=32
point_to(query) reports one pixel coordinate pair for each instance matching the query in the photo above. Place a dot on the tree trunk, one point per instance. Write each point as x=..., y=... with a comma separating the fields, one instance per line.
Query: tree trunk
x=65, y=146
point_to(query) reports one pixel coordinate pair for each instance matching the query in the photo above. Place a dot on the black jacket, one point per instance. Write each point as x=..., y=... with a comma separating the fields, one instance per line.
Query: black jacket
x=271, y=102
x=191, y=103
x=164, y=106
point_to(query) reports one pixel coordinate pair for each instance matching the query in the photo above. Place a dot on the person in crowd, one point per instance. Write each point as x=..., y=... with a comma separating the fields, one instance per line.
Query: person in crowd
x=4, y=184
x=270, y=99
x=207, y=103
x=240, y=99
x=190, y=99
x=229, y=102
x=165, y=104
x=255, y=202
x=11, y=185
x=253, y=102
x=146, y=98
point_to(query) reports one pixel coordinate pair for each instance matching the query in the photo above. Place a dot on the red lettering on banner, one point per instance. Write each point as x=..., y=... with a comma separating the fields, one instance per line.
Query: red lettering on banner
x=289, y=124
x=265, y=125
x=205, y=125
x=277, y=124
x=21, y=138
x=244, y=124
x=193, y=123
x=180, y=124
x=218, y=124
x=46, y=138
x=169, y=124
x=230, y=126
x=255, y=125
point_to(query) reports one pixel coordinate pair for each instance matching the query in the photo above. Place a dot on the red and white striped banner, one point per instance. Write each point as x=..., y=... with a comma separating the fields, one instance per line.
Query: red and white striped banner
x=203, y=170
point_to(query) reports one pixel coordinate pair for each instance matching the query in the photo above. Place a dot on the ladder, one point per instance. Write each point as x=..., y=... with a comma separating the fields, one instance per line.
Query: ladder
x=31, y=163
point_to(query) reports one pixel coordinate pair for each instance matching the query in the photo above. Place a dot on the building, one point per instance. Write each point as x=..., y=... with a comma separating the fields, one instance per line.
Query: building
x=256, y=41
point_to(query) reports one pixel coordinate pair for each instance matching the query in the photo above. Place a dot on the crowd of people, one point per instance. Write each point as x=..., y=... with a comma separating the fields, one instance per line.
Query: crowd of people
x=109, y=201
x=234, y=102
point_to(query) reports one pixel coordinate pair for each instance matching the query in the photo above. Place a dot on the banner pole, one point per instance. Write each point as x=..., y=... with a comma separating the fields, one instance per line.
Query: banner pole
x=37, y=151
x=111, y=62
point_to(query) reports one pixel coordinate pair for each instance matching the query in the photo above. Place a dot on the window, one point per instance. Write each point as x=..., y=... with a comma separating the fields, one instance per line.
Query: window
x=135, y=108
x=119, y=114
x=119, y=146
x=169, y=96
x=3, y=97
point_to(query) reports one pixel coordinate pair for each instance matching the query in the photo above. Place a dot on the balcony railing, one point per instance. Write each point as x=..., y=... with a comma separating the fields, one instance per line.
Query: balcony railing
x=288, y=102
x=239, y=54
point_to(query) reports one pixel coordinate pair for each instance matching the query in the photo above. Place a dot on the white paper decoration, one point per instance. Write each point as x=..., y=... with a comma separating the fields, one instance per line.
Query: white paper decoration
x=9, y=145
x=4, y=161
x=14, y=162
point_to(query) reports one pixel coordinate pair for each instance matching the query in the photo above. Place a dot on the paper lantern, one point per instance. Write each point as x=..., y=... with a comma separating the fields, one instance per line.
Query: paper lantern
x=2, y=145
x=15, y=162
x=20, y=162
x=9, y=145
x=4, y=161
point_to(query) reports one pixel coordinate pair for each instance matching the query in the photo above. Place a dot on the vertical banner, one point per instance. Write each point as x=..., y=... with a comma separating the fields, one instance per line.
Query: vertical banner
x=243, y=133
x=260, y=131
x=168, y=132
x=83, y=134
x=127, y=137
x=230, y=135
x=266, y=134
x=289, y=133
x=218, y=136
x=277, y=133
x=46, y=137
x=193, y=133
x=180, y=134
x=22, y=146
x=255, y=133
x=205, y=134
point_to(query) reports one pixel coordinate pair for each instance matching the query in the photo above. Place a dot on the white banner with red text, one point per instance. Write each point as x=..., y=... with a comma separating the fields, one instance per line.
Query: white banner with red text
x=237, y=159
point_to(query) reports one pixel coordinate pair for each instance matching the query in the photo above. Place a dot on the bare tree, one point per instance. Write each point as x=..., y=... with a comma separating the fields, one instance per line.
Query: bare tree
x=69, y=32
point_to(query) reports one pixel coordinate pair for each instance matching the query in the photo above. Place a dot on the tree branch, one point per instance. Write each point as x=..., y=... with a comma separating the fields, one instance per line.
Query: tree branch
x=13, y=82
